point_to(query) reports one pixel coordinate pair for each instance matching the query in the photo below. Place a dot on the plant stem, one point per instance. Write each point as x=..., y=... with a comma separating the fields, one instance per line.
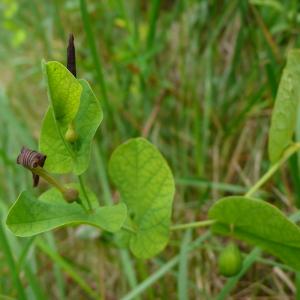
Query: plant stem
x=287, y=154
x=44, y=174
x=85, y=193
x=193, y=225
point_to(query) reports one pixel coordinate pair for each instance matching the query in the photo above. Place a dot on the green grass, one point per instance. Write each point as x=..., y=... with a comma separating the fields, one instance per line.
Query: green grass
x=197, y=78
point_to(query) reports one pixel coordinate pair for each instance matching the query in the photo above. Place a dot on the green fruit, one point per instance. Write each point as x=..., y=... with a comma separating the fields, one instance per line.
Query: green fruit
x=70, y=195
x=71, y=135
x=230, y=261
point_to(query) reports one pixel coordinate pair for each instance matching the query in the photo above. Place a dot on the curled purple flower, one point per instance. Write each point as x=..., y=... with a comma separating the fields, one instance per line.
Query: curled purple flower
x=31, y=159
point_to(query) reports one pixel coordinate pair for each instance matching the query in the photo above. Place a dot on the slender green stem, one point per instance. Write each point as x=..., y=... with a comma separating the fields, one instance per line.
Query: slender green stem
x=44, y=174
x=288, y=153
x=193, y=225
x=85, y=193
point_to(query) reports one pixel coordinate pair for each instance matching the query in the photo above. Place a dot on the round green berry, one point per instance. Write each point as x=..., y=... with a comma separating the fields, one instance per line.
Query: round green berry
x=230, y=261
x=71, y=135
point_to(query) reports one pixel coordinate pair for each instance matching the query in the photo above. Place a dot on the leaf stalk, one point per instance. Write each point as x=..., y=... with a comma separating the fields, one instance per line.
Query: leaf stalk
x=193, y=225
x=52, y=181
x=85, y=193
x=69, y=194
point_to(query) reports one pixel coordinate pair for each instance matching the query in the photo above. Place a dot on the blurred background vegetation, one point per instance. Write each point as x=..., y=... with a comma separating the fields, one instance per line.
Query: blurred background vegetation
x=196, y=77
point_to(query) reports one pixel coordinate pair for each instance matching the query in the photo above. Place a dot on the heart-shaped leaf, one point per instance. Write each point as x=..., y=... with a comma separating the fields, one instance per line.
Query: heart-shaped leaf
x=146, y=185
x=62, y=156
x=64, y=91
x=285, y=110
x=29, y=216
x=260, y=224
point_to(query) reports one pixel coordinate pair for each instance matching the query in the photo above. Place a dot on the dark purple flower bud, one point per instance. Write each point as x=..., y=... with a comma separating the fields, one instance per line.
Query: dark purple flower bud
x=31, y=159
x=71, y=58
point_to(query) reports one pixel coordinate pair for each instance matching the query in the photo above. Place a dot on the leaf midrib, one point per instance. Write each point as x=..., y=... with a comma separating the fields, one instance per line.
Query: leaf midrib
x=225, y=226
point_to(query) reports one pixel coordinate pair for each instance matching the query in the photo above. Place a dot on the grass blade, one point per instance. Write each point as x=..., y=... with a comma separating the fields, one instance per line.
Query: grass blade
x=57, y=270
x=11, y=264
x=155, y=4
x=182, y=279
x=96, y=58
x=57, y=259
x=163, y=270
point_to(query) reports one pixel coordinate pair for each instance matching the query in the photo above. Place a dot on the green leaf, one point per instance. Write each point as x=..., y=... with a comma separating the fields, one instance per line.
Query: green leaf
x=146, y=185
x=64, y=91
x=29, y=216
x=258, y=223
x=285, y=110
x=64, y=157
